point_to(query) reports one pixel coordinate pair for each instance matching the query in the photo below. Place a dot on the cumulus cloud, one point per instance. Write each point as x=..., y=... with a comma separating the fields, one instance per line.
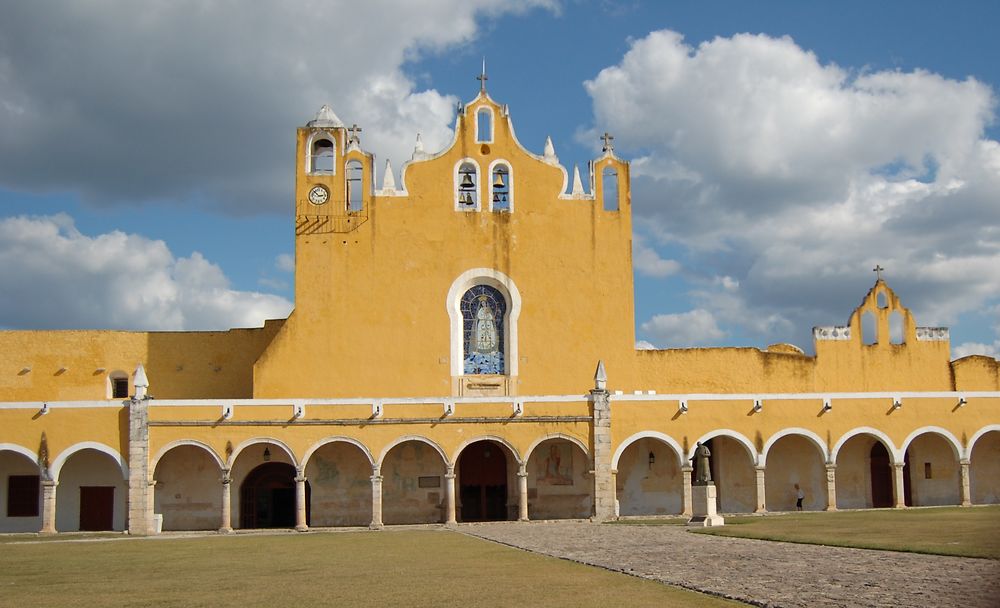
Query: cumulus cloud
x=795, y=177
x=693, y=328
x=285, y=262
x=123, y=101
x=649, y=263
x=55, y=277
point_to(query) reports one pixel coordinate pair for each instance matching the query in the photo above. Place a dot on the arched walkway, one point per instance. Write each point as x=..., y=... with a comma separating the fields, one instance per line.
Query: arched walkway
x=339, y=475
x=933, y=471
x=188, y=489
x=486, y=482
x=558, y=484
x=649, y=480
x=250, y=506
x=20, y=491
x=413, y=490
x=795, y=459
x=92, y=492
x=864, y=473
x=733, y=472
x=984, y=469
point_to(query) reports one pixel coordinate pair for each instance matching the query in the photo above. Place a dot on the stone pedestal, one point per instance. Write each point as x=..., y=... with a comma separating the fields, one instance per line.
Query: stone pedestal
x=703, y=506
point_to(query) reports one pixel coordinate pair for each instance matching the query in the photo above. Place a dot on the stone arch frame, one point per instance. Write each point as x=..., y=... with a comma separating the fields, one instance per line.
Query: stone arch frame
x=544, y=438
x=664, y=438
x=738, y=437
x=310, y=142
x=337, y=439
x=258, y=440
x=180, y=443
x=18, y=449
x=806, y=433
x=890, y=447
x=506, y=286
x=494, y=438
x=945, y=434
x=64, y=455
x=968, y=450
x=405, y=438
x=510, y=184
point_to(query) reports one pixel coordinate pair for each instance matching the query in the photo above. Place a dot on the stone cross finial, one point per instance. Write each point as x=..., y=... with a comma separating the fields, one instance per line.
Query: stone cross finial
x=607, y=137
x=482, y=78
x=354, y=130
x=878, y=271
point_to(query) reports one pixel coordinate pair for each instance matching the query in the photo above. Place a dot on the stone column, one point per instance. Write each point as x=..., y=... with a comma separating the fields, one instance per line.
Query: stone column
x=897, y=483
x=831, y=487
x=449, y=496
x=49, y=506
x=604, y=486
x=965, y=489
x=760, y=508
x=376, y=500
x=522, y=492
x=140, y=499
x=686, y=471
x=300, y=500
x=227, y=510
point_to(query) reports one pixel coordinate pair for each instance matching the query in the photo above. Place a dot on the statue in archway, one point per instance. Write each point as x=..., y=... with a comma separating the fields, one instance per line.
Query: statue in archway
x=700, y=463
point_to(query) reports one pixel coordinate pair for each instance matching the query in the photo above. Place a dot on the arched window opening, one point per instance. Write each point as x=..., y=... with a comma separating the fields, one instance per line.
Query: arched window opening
x=354, y=186
x=322, y=156
x=483, y=312
x=896, y=328
x=609, y=188
x=881, y=300
x=118, y=385
x=869, y=329
x=484, y=126
x=502, y=198
x=468, y=187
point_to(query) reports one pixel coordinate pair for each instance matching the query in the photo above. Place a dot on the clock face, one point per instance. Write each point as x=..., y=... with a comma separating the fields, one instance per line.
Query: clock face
x=318, y=195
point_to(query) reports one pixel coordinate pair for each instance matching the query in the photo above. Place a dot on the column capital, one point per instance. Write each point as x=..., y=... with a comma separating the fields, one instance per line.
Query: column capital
x=49, y=483
x=449, y=476
x=376, y=478
x=898, y=465
x=300, y=479
x=964, y=462
x=522, y=473
x=830, y=466
x=759, y=468
x=687, y=469
x=450, y=470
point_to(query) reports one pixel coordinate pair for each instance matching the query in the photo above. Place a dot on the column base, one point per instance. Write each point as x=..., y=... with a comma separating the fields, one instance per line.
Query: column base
x=830, y=508
x=376, y=526
x=47, y=532
x=225, y=530
x=301, y=528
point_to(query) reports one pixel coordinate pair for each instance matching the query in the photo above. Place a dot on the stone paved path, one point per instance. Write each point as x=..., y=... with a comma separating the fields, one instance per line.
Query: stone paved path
x=760, y=572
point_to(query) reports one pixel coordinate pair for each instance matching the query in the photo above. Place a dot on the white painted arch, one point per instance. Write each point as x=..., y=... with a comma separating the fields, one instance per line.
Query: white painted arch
x=494, y=438
x=801, y=432
x=23, y=451
x=544, y=438
x=667, y=439
x=975, y=437
x=337, y=439
x=261, y=440
x=506, y=286
x=739, y=437
x=950, y=439
x=404, y=439
x=182, y=442
x=63, y=456
x=897, y=456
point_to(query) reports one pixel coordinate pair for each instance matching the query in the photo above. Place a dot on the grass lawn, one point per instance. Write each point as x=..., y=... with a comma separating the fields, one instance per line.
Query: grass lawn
x=968, y=532
x=390, y=568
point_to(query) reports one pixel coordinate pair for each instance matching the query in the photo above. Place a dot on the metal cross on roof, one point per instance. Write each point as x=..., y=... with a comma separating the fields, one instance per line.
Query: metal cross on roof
x=482, y=78
x=607, y=137
x=878, y=271
x=354, y=130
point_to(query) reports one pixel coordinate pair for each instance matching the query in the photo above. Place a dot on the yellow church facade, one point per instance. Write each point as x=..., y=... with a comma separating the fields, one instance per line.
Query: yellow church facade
x=462, y=349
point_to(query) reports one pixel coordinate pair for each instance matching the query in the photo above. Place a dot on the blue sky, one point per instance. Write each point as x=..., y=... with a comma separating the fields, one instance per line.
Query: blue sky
x=779, y=149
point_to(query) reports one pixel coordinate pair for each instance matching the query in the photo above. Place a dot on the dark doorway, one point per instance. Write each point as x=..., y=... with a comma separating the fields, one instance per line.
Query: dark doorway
x=267, y=497
x=97, y=508
x=881, y=474
x=482, y=471
x=907, y=487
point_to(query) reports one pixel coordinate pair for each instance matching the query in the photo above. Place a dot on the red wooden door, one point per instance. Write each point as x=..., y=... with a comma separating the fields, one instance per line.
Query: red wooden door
x=97, y=508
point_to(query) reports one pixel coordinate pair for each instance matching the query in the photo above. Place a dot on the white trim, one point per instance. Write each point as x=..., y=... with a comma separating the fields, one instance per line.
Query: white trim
x=799, y=431
x=500, y=440
x=479, y=186
x=739, y=437
x=493, y=124
x=667, y=439
x=405, y=438
x=182, y=442
x=972, y=442
x=337, y=439
x=464, y=282
x=805, y=396
x=956, y=446
x=320, y=133
x=510, y=184
x=23, y=451
x=866, y=430
x=63, y=456
x=546, y=437
x=258, y=440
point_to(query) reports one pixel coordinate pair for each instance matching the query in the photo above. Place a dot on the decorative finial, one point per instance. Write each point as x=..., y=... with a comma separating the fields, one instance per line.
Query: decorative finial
x=354, y=130
x=325, y=118
x=878, y=272
x=388, y=179
x=418, y=149
x=608, y=147
x=141, y=382
x=482, y=78
x=550, y=151
x=577, y=182
x=600, y=377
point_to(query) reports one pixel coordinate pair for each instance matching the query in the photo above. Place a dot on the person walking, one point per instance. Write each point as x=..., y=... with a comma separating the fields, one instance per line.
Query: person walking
x=799, y=497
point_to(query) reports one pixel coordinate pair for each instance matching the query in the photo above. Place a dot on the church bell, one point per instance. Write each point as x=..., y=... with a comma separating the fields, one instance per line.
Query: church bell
x=467, y=183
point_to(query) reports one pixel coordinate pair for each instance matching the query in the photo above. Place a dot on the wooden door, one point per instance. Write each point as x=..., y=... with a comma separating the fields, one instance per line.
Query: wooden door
x=483, y=482
x=97, y=508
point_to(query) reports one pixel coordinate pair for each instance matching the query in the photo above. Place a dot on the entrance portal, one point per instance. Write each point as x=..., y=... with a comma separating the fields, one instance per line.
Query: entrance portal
x=881, y=475
x=267, y=497
x=482, y=471
x=97, y=508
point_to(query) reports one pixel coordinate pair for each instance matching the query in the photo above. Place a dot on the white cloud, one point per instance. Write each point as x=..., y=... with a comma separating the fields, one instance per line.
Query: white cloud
x=795, y=178
x=644, y=345
x=693, y=328
x=976, y=348
x=56, y=277
x=285, y=262
x=649, y=263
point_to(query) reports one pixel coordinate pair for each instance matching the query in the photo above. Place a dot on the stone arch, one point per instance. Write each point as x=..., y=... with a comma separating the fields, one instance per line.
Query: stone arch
x=811, y=436
x=335, y=439
x=16, y=460
x=188, y=492
x=563, y=488
x=506, y=286
x=977, y=435
x=932, y=469
x=732, y=469
x=548, y=436
x=667, y=439
x=862, y=482
x=495, y=438
x=401, y=440
x=261, y=440
x=63, y=456
x=984, y=465
x=486, y=485
x=13, y=447
x=739, y=437
x=181, y=442
x=947, y=435
x=92, y=492
x=339, y=471
x=647, y=481
x=413, y=484
x=799, y=466
x=895, y=454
